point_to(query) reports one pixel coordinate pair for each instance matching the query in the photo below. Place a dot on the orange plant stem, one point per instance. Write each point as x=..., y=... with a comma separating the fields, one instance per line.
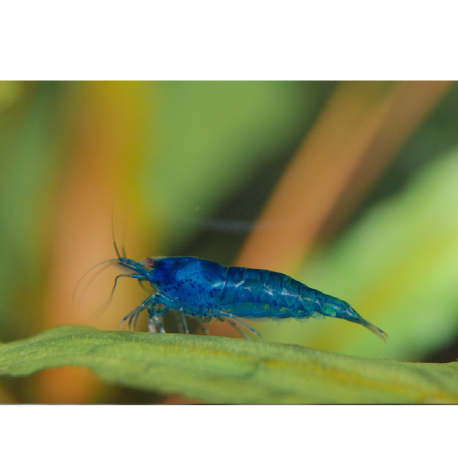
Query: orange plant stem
x=356, y=121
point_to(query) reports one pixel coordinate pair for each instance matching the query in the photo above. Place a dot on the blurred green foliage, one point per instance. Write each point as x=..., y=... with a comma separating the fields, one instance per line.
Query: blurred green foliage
x=211, y=138
x=32, y=165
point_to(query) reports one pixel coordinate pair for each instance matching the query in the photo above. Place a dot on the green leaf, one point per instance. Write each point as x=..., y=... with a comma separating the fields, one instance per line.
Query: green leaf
x=227, y=370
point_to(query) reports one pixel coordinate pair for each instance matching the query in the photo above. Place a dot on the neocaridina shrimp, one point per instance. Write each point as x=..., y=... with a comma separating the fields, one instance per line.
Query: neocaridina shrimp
x=204, y=290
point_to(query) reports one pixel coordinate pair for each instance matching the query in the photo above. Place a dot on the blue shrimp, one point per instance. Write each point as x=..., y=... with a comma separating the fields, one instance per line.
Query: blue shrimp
x=204, y=290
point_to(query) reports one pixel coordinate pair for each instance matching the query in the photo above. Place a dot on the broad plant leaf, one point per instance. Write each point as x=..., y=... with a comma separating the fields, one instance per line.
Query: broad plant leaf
x=228, y=370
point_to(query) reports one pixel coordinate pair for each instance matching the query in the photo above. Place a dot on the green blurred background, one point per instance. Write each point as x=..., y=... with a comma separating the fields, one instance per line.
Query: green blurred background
x=350, y=187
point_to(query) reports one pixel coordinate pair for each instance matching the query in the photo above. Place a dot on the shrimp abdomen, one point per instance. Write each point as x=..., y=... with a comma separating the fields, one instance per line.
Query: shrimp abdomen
x=258, y=293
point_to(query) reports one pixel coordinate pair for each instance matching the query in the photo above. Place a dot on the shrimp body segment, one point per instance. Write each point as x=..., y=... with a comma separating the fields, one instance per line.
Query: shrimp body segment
x=204, y=289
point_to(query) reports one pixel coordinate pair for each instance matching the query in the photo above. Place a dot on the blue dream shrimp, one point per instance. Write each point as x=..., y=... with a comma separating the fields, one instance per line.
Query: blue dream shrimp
x=204, y=290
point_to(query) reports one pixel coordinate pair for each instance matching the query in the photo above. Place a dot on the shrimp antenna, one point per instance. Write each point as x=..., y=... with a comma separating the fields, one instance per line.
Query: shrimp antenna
x=104, y=306
x=114, y=239
x=92, y=279
x=123, y=247
x=140, y=281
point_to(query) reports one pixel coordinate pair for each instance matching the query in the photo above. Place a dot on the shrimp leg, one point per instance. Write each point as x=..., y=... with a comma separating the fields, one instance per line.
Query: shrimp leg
x=184, y=321
x=154, y=321
x=201, y=324
x=229, y=317
x=239, y=329
x=133, y=316
x=156, y=313
x=155, y=318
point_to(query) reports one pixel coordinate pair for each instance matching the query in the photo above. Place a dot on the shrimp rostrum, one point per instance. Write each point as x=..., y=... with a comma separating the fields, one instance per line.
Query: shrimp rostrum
x=204, y=290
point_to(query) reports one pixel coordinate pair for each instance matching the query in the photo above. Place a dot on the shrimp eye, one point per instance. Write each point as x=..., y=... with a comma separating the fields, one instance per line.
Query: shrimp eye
x=149, y=262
